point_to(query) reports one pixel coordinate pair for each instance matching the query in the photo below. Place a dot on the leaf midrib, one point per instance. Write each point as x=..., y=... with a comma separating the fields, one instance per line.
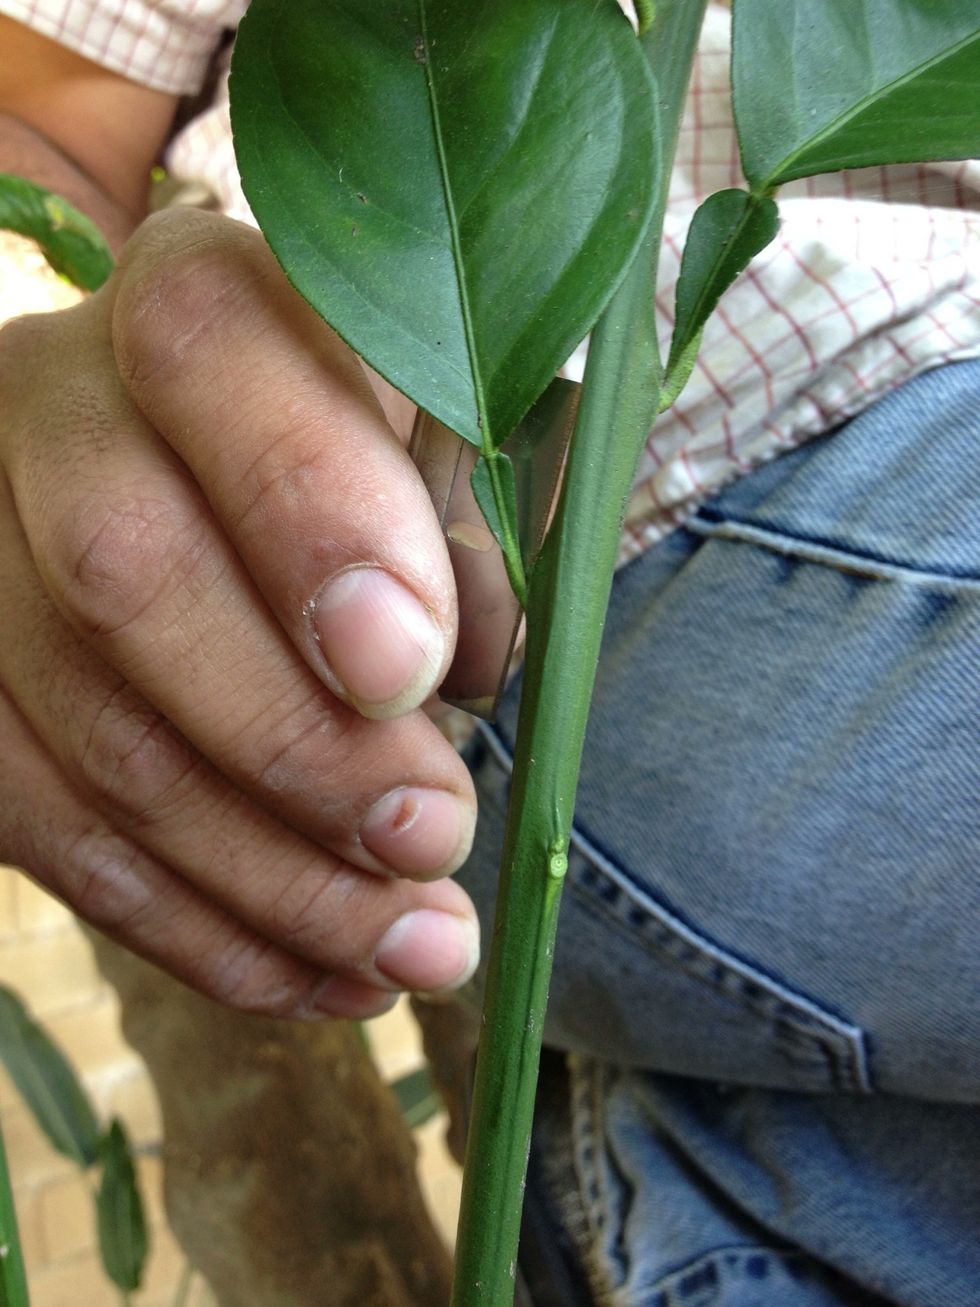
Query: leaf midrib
x=454, y=234
x=837, y=124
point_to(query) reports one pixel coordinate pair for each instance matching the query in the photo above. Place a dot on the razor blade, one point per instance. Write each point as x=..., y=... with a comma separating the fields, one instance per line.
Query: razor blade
x=490, y=616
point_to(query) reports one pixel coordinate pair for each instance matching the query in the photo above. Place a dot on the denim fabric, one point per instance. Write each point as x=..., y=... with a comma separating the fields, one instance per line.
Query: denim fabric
x=767, y=971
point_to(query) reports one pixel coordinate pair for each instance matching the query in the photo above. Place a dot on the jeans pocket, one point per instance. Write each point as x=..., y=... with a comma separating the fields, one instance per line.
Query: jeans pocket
x=638, y=983
x=690, y=1003
x=774, y=881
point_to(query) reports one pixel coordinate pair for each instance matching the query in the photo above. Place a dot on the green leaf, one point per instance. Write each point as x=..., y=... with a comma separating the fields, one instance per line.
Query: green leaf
x=70, y=242
x=726, y=232
x=122, y=1225
x=849, y=83
x=47, y=1082
x=480, y=480
x=418, y=1099
x=678, y=373
x=456, y=188
x=13, y=1281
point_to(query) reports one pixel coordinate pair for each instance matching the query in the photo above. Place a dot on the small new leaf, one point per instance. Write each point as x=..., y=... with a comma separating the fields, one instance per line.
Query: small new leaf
x=677, y=375
x=726, y=232
x=121, y=1223
x=47, y=1083
x=70, y=242
x=483, y=494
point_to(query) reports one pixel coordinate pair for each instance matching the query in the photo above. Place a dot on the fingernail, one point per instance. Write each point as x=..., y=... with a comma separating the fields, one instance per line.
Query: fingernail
x=381, y=646
x=429, y=950
x=419, y=832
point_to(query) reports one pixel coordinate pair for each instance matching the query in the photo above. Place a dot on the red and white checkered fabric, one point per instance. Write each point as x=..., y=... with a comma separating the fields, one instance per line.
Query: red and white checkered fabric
x=874, y=276
x=166, y=44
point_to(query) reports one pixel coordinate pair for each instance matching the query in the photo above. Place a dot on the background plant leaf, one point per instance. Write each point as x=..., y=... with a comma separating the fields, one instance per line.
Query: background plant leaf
x=13, y=1281
x=47, y=1082
x=849, y=83
x=418, y=1098
x=119, y=1208
x=70, y=242
x=726, y=232
x=456, y=188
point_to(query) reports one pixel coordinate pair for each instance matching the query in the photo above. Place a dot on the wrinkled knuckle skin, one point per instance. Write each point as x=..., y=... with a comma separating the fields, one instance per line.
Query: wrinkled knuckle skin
x=110, y=560
x=100, y=877
x=133, y=759
x=248, y=980
x=183, y=283
x=292, y=471
x=308, y=918
x=288, y=751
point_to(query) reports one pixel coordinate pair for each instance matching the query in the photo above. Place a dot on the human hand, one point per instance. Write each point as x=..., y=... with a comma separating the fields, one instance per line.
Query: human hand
x=225, y=596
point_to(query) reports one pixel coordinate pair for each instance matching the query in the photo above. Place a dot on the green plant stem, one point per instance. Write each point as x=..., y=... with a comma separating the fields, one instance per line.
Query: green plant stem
x=509, y=543
x=13, y=1281
x=569, y=592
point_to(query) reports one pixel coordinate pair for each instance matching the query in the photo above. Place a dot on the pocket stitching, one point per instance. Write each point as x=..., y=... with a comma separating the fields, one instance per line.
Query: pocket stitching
x=804, y=1022
x=714, y=526
x=843, y=1046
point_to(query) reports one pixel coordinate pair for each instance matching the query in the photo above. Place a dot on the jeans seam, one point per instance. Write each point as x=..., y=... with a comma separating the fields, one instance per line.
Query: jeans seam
x=840, y=1044
x=738, y=1252
x=585, y=1082
x=766, y=997
x=831, y=554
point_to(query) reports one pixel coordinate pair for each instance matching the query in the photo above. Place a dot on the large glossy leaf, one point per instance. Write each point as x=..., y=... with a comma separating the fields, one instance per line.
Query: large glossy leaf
x=456, y=187
x=821, y=85
x=119, y=1210
x=47, y=1082
x=70, y=242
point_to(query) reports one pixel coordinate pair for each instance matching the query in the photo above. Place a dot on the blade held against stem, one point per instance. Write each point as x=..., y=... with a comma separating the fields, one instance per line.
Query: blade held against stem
x=490, y=616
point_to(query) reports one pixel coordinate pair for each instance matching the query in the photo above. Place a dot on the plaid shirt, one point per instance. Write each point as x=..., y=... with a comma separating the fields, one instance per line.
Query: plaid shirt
x=874, y=276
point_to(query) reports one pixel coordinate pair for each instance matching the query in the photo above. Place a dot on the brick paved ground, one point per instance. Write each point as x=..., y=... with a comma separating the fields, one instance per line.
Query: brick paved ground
x=45, y=958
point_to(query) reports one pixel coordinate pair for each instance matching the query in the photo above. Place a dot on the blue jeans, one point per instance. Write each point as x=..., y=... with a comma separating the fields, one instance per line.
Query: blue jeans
x=767, y=980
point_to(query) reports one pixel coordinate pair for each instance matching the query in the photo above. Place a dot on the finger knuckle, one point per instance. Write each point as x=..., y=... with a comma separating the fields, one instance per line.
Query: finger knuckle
x=307, y=917
x=110, y=561
x=253, y=978
x=293, y=745
x=182, y=282
x=291, y=471
x=101, y=877
x=132, y=757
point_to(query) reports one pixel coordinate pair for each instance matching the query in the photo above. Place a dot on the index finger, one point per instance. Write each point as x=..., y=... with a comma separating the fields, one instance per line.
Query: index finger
x=280, y=428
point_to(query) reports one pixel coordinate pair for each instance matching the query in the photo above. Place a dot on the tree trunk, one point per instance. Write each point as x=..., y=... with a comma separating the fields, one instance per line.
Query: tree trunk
x=290, y=1175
